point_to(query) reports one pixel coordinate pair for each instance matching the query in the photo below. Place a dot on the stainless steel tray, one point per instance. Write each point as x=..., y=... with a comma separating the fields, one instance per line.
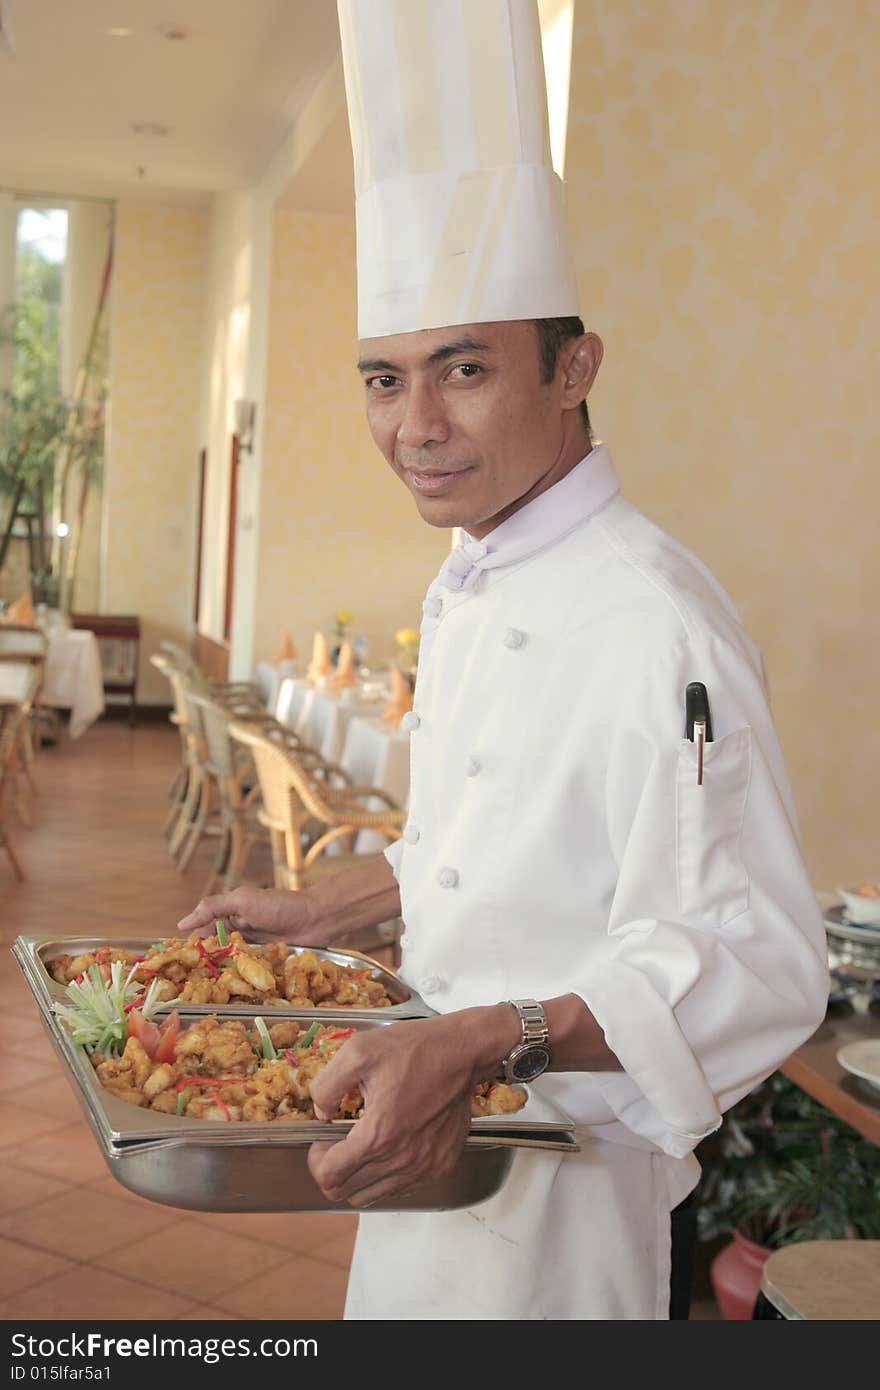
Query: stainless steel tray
x=216, y=1166
x=34, y=952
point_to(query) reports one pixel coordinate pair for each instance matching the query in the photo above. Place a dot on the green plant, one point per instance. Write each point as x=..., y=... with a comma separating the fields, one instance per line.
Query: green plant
x=783, y=1168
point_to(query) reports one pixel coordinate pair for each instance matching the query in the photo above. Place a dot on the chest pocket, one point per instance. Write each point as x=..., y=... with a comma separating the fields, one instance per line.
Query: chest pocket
x=713, y=884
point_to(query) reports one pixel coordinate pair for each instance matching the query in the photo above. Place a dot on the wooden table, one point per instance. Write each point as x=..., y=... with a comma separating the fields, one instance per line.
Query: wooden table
x=814, y=1067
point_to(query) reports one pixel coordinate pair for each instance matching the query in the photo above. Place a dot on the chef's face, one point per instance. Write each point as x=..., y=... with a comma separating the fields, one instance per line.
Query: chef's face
x=464, y=419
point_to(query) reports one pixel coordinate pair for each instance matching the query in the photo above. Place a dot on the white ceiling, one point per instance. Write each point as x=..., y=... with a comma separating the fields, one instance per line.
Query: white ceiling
x=228, y=93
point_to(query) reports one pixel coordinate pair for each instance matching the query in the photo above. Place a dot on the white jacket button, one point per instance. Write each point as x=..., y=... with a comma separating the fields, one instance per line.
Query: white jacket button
x=402, y=939
x=514, y=638
x=448, y=878
x=432, y=607
x=430, y=984
x=411, y=834
x=472, y=766
x=410, y=721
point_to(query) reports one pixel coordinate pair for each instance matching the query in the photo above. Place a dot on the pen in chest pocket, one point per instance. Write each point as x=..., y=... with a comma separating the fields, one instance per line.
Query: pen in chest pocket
x=698, y=721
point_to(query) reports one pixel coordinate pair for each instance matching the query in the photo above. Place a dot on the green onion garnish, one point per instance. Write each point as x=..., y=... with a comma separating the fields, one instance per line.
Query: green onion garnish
x=96, y=1013
x=306, y=1038
x=221, y=933
x=181, y=1102
x=268, y=1045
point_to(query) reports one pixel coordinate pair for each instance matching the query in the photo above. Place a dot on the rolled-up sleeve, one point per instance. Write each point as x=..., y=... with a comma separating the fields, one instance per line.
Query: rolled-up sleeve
x=714, y=966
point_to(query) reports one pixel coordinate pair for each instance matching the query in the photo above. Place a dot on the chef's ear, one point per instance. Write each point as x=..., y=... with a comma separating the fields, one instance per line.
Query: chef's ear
x=580, y=360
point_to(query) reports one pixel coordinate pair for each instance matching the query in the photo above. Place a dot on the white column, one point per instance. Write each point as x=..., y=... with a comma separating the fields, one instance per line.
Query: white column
x=88, y=233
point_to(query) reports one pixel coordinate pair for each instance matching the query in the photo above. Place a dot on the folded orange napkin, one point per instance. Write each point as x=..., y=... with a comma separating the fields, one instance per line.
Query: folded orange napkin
x=401, y=698
x=286, y=650
x=21, y=612
x=344, y=676
x=320, y=664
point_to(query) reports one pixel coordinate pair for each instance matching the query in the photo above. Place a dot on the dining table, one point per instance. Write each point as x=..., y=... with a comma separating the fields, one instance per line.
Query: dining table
x=72, y=677
x=348, y=729
x=853, y=1016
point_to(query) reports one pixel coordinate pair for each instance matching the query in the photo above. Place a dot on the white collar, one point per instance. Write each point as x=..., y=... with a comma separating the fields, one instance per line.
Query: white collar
x=567, y=504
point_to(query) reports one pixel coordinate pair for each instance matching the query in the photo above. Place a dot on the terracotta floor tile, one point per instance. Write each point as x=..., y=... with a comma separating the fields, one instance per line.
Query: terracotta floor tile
x=203, y=1312
x=53, y=1096
x=81, y=1224
x=338, y=1251
x=298, y=1289
x=301, y=1232
x=70, y=1153
x=18, y=1125
x=21, y=1188
x=17, y=1069
x=16, y=1034
x=77, y=1295
x=21, y=1267
x=193, y=1260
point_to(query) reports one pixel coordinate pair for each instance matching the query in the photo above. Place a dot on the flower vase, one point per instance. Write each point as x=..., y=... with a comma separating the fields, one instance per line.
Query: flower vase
x=736, y=1274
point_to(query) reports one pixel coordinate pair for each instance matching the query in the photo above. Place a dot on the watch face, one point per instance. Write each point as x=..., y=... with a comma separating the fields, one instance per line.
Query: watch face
x=530, y=1063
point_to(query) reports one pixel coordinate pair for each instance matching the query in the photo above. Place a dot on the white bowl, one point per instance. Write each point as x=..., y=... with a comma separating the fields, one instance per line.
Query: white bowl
x=859, y=908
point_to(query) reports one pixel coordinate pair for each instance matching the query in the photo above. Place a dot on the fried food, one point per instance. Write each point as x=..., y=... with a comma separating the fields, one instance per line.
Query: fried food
x=220, y=1072
x=204, y=971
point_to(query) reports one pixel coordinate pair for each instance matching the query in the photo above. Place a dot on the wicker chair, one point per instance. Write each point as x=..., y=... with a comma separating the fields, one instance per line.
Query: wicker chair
x=20, y=681
x=300, y=793
x=230, y=765
x=29, y=644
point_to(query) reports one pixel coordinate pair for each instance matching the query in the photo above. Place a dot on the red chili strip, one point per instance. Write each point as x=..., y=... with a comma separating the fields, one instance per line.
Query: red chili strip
x=222, y=951
x=215, y=1095
x=340, y=1033
x=289, y=1057
x=209, y=960
x=137, y=1003
x=102, y=953
x=362, y=974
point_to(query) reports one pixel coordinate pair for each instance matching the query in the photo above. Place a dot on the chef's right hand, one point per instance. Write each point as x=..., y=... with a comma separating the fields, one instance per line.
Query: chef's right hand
x=261, y=914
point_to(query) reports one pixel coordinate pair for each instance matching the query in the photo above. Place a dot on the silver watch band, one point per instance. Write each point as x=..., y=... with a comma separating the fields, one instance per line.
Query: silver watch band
x=532, y=1019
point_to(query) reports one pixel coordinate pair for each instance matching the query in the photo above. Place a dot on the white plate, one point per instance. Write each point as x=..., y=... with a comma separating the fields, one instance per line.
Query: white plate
x=838, y=923
x=862, y=1058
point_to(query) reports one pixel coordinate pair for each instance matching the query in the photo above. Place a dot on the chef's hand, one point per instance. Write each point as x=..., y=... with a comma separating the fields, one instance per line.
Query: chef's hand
x=415, y=1079
x=261, y=914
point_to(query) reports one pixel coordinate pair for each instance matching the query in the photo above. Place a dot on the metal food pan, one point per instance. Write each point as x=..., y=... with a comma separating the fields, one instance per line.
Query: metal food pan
x=216, y=1166
x=35, y=953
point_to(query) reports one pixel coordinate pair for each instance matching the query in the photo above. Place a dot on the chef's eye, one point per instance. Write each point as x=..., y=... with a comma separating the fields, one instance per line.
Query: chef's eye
x=466, y=369
x=381, y=383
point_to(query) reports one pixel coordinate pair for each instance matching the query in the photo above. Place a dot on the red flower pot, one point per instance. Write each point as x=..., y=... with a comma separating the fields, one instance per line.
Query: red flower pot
x=736, y=1276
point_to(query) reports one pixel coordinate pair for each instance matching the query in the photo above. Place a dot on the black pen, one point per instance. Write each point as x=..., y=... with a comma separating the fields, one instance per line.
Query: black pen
x=698, y=721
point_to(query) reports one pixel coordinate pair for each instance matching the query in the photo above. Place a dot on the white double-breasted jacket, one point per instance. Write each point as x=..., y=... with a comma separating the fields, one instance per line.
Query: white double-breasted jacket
x=557, y=842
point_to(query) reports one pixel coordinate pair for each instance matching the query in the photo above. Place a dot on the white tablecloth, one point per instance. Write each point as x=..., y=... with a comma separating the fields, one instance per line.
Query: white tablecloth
x=72, y=677
x=350, y=731
x=268, y=677
x=320, y=719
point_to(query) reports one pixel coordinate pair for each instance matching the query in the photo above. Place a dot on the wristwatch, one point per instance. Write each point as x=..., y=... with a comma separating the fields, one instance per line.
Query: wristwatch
x=532, y=1056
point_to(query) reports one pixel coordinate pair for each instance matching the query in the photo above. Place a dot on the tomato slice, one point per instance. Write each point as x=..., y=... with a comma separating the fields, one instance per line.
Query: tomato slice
x=146, y=1032
x=169, y=1031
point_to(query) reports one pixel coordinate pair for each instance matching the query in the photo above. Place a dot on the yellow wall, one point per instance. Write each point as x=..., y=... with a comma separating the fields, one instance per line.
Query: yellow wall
x=150, y=480
x=337, y=530
x=722, y=190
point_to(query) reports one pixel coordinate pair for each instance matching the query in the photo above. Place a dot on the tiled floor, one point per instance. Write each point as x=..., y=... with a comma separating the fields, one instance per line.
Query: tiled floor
x=72, y=1239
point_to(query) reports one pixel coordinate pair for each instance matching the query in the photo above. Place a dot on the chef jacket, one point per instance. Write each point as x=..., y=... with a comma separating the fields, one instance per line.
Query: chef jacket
x=557, y=842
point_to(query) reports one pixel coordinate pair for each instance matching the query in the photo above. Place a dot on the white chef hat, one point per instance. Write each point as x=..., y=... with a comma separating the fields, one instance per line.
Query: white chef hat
x=459, y=211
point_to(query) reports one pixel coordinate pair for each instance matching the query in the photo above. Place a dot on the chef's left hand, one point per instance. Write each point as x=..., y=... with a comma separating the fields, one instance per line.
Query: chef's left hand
x=415, y=1079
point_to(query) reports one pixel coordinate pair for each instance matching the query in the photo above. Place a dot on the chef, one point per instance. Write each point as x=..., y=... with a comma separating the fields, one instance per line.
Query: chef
x=600, y=876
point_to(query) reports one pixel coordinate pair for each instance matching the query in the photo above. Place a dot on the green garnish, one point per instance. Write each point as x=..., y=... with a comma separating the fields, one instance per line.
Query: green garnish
x=221, y=933
x=157, y=946
x=181, y=1102
x=306, y=1038
x=96, y=1014
x=268, y=1045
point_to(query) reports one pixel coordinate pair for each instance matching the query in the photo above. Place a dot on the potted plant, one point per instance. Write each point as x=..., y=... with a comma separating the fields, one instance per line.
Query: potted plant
x=782, y=1168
